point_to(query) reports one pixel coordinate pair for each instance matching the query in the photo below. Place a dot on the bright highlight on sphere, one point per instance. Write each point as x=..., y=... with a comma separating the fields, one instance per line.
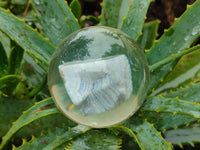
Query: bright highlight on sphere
x=98, y=76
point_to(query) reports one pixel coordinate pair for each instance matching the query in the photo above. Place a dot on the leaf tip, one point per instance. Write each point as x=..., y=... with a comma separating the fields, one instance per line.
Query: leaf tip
x=192, y=144
x=66, y=2
x=187, y=124
x=41, y=134
x=175, y=19
x=181, y=87
x=188, y=6
x=8, y=10
x=181, y=146
x=174, y=113
x=13, y=147
x=23, y=20
x=23, y=141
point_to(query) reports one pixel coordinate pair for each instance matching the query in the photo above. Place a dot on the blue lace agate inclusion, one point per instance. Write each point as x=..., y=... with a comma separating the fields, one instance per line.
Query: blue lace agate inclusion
x=99, y=85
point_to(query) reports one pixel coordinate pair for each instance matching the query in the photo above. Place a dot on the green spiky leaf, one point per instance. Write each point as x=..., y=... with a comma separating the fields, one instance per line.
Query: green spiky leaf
x=38, y=88
x=8, y=83
x=3, y=61
x=15, y=59
x=172, y=105
x=52, y=20
x=31, y=41
x=149, y=33
x=95, y=139
x=161, y=120
x=113, y=12
x=178, y=37
x=133, y=22
x=147, y=137
x=172, y=58
x=70, y=19
x=42, y=141
x=12, y=108
x=186, y=72
x=187, y=135
x=190, y=93
x=41, y=109
x=33, y=75
x=76, y=8
x=73, y=132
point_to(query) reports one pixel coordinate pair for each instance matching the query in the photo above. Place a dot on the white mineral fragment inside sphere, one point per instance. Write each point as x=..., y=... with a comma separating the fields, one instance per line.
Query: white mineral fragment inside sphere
x=98, y=76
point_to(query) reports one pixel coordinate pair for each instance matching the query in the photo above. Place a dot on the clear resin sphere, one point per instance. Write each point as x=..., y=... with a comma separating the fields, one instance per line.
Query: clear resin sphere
x=98, y=76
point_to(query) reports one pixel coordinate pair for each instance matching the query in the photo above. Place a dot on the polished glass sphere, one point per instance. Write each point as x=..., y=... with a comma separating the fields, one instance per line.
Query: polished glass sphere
x=98, y=76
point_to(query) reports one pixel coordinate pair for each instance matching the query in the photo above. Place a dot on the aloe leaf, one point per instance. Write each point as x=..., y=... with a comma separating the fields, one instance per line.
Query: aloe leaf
x=186, y=72
x=38, y=88
x=172, y=105
x=73, y=132
x=70, y=19
x=37, y=111
x=42, y=141
x=147, y=137
x=190, y=93
x=178, y=37
x=76, y=8
x=32, y=74
x=149, y=33
x=8, y=83
x=6, y=42
x=187, y=135
x=31, y=41
x=172, y=58
x=52, y=20
x=3, y=61
x=133, y=22
x=10, y=110
x=113, y=12
x=161, y=120
x=95, y=139
x=15, y=59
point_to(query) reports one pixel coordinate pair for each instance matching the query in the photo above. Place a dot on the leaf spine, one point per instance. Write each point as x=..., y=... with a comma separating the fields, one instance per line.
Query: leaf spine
x=13, y=147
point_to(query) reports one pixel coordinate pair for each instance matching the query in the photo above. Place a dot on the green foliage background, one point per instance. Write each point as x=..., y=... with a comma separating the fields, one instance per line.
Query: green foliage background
x=30, y=120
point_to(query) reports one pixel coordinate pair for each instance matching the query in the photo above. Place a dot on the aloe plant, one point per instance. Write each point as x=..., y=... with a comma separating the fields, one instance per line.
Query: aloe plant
x=29, y=113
